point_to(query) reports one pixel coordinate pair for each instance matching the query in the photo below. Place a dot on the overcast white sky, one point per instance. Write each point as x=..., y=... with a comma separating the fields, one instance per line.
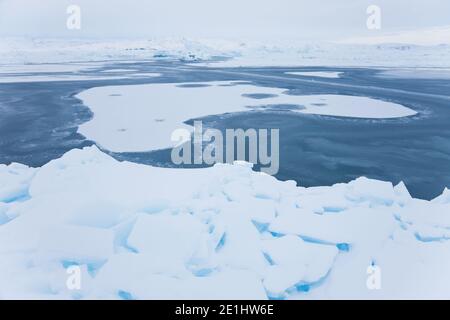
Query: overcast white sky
x=299, y=19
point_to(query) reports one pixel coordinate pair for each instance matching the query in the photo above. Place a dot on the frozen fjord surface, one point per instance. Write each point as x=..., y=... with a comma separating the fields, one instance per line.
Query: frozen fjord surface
x=135, y=118
x=223, y=232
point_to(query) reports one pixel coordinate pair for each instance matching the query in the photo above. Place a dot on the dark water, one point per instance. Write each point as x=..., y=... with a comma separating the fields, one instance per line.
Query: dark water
x=38, y=123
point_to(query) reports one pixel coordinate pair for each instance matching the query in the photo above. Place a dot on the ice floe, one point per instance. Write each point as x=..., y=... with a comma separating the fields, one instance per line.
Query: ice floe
x=320, y=74
x=58, y=77
x=225, y=232
x=133, y=118
x=13, y=69
x=54, y=78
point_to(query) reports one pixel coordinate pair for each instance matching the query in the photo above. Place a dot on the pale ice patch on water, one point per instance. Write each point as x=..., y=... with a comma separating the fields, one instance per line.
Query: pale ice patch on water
x=118, y=70
x=55, y=78
x=48, y=67
x=71, y=76
x=134, y=118
x=320, y=74
x=145, y=74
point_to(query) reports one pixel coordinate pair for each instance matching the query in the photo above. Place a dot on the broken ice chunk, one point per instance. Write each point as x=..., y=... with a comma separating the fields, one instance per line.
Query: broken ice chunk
x=76, y=243
x=373, y=191
x=172, y=239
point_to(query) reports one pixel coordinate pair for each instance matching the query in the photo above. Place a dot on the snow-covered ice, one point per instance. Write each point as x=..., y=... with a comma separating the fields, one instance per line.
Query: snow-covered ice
x=134, y=118
x=58, y=77
x=434, y=36
x=22, y=50
x=415, y=73
x=354, y=107
x=54, y=78
x=320, y=74
x=292, y=54
x=238, y=52
x=141, y=232
x=47, y=67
